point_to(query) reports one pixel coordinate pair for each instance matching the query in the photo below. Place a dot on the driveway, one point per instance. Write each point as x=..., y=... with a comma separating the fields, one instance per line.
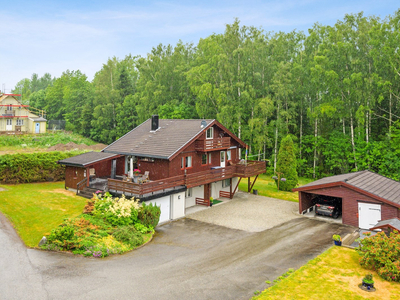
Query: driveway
x=187, y=259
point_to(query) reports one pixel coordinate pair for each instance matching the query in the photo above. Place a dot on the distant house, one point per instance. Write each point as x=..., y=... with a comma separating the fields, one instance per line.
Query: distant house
x=174, y=163
x=18, y=118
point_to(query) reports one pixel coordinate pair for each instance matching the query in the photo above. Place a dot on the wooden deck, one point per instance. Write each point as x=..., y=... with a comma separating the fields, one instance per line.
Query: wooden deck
x=213, y=144
x=247, y=169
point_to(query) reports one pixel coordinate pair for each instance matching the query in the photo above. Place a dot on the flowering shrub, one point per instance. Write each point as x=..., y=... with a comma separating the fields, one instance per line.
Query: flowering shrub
x=117, y=211
x=382, y=253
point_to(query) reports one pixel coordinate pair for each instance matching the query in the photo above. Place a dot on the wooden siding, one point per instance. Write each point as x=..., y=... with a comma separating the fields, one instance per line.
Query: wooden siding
x=350, y=200
x=158, y=169
x=207, y=145
x=73, y=175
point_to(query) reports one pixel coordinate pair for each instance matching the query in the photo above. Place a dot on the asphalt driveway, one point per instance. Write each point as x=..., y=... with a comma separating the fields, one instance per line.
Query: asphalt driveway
x=187, y=259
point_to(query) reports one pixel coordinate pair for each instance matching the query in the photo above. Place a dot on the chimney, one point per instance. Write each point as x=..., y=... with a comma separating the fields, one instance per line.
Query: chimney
x=154, y=122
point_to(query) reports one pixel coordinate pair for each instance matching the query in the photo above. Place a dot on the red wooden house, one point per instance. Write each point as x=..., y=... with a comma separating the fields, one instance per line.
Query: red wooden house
x=174, y=163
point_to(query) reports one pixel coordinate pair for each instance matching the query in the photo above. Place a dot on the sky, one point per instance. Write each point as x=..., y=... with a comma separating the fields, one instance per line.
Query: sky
x=54, y=36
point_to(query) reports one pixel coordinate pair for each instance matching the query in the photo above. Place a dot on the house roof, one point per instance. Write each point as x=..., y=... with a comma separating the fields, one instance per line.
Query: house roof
x=166, y=142
x=38, y=119
x=378, y=186
x=4, y=96
x=87, y=159
x=391, y=223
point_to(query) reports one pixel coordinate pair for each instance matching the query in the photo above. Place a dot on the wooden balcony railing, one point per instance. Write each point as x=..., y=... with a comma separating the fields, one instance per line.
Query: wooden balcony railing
x=201, y=201
x=140, y=189
x=204, y=177
x=213, y=144
x=248, y=169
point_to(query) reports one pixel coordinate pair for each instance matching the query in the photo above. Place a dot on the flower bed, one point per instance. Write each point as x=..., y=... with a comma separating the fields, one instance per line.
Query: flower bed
x=107, y=226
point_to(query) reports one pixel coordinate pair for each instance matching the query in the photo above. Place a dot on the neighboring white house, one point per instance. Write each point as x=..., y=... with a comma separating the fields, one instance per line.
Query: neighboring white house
x=16, y=117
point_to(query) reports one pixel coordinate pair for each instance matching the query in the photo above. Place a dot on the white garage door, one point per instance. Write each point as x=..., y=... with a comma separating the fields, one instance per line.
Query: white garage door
x=368, y=215
x=165, y=205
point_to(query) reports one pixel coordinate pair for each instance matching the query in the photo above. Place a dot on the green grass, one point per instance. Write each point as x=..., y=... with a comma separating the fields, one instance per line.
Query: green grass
x=45, y=140
x=37, y=208
x=266, y=187
x=335, y=274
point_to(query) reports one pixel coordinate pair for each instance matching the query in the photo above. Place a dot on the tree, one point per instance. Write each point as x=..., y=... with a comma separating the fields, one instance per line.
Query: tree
x=286, y=166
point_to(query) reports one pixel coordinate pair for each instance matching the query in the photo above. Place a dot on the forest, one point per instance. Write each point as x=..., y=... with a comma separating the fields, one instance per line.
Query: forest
x=334, y=89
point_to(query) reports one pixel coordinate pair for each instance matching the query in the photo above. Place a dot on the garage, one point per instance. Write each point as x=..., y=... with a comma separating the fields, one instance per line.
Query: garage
x=365, y=197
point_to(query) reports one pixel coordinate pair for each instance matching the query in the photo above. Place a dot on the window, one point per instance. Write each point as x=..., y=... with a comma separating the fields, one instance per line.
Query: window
x=228, y=155
x=188, y=162
x=9, y=121
x=189, y=193
x=209, y=159
x=210, y=133
x=204, y=159
x=226, y=183
x=20, y=122
x=9, y=107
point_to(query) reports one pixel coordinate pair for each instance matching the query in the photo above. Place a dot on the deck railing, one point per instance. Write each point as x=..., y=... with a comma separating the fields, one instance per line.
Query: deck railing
x=250, y=168
x=213, y=144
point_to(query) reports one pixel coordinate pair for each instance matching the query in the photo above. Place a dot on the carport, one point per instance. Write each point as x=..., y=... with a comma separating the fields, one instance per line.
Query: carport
x=367, y=197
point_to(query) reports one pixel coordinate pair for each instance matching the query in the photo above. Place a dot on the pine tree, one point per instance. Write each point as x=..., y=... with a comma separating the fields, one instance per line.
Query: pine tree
x=286, y=165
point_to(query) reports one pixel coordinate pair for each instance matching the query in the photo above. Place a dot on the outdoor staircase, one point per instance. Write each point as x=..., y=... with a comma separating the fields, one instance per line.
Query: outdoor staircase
x=87, y=192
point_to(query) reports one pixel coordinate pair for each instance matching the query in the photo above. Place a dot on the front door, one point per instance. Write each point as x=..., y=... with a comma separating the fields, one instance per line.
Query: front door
x=368, y=215
x=222, y=159
x=9, y=125
x=37, y=127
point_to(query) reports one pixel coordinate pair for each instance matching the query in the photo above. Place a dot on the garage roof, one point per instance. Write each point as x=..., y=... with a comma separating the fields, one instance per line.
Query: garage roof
x=391, y=223
x=87, y=159
x=367, y=181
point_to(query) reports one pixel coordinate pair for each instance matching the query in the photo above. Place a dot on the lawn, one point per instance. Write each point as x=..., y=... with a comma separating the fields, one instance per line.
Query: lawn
x=37, y=208
x=335, y=274
x=266, y=187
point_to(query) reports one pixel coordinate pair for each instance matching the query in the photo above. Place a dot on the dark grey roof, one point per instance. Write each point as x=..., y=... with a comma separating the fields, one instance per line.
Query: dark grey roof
x=38, y=119
x=368, y=181
x=395, y=223
x=171, y=136
x=85, y=159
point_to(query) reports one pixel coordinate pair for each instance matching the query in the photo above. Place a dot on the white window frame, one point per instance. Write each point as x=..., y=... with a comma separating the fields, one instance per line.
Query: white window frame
x=9, y=122
x=188, y=162
x=226, y=183
x=20, y=122
x=189, y=193
x=206, y=154
x=9, y=107
x=228, y=155
x=210, y=133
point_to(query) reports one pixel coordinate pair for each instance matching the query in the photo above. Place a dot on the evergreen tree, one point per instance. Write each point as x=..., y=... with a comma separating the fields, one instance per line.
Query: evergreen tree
x=286, y=165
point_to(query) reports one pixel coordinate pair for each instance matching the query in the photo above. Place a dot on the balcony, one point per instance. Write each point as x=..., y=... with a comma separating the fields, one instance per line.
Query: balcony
x=245, y=169
x=8, y=113
x=213, y=144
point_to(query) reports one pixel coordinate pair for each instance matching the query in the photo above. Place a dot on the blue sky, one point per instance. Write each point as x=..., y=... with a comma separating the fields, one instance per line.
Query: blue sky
x=53, y=36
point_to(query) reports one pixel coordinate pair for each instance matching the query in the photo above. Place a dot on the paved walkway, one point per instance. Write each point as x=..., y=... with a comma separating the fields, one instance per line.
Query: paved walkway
x=249, y=212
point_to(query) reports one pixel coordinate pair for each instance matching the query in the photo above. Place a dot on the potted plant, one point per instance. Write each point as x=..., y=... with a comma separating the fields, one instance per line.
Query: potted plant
x=136, y=172
x=368, y=282
x=211, y=201
x=337, y=239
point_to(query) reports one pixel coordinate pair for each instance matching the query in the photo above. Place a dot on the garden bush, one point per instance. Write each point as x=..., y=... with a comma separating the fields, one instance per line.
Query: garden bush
x=149, y=215
x=129, y=235
x=33, y=167
x=382, y=253
x=286, y=165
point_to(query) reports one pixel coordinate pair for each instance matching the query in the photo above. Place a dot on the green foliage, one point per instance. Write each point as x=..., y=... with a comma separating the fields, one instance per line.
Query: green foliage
x=142, y=229
x=129, y=235
x=33, y=167
x=382, y=253
x=286, y=165
x=149, y=215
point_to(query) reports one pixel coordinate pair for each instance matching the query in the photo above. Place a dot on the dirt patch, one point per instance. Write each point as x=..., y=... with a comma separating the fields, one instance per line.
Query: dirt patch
x=73, y=146
x=59, y=191
x=2, y=189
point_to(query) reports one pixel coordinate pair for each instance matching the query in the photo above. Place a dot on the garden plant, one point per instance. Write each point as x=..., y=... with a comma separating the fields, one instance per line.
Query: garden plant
x=109, y=225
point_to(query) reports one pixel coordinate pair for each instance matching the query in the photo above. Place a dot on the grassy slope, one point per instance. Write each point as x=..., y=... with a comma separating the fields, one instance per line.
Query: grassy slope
x=266, y=187
x=35, y=209
x=335, y=274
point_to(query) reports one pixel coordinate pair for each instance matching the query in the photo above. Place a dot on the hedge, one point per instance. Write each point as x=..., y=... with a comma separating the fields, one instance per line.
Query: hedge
x=33, y=167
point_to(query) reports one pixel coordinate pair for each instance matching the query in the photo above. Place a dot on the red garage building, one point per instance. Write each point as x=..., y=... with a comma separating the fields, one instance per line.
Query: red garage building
x=366, y=197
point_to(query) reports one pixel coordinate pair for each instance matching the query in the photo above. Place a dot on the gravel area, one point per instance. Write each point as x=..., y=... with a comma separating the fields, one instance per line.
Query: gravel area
x=249, y=212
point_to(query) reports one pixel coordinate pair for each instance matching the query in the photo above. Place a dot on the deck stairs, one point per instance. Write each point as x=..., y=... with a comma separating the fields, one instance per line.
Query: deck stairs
x=87, y=192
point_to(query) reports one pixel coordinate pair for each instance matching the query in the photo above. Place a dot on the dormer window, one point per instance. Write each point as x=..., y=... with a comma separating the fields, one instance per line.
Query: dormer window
x=210, y=133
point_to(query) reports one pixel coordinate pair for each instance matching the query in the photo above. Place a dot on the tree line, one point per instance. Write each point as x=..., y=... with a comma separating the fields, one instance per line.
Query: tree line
x=335, y=90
